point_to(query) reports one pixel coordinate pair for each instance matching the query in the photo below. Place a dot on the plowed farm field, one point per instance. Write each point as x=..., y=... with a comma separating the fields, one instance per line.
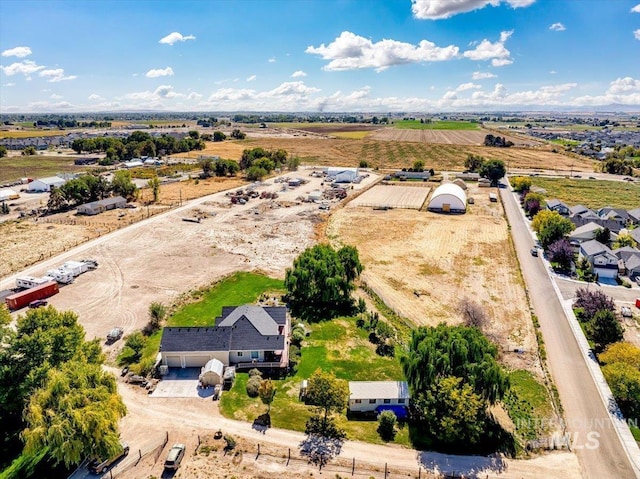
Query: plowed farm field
x=423, y=264
x=392, y=196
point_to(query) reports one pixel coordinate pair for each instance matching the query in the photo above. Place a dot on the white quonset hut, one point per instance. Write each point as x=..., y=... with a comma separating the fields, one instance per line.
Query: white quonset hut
x=45, y=184
x=211, y=373
x=448, y=198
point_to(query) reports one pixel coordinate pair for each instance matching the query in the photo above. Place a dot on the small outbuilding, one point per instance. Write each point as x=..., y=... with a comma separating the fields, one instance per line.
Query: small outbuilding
x=448, y=198
x=460, y=183
x=8, y=194
x=96, y=207
x=45, y=184
x=376, y=396
x=212, y=373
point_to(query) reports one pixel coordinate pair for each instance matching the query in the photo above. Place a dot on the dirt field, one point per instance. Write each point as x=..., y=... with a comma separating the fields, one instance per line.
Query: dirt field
x=163, y=256
x=422, y=264
x=392, y=196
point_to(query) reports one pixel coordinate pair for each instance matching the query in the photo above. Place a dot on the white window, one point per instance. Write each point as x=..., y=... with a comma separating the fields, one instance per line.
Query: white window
x=254, y=354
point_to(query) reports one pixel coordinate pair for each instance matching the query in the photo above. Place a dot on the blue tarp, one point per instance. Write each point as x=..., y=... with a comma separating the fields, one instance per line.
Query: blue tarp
x=399, y=411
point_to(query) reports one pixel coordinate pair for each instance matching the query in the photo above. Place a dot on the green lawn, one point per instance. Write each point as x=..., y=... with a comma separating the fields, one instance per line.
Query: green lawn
x=337, y=346
x=593, y=194
x=528, y=405
x=436, y=125
x=16, y=167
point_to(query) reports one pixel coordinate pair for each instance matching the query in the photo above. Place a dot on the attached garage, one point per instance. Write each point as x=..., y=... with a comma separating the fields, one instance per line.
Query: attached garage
x=195, y=361
x=173, y=361
x=448, y=198
x=606, y=272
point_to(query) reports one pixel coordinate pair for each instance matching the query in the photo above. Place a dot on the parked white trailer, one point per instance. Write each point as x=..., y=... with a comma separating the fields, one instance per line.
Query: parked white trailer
x=61, y=275
x=76, y=267
x=30, y=282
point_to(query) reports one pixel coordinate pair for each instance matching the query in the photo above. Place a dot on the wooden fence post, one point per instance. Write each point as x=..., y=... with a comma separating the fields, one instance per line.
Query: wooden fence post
x=289, y=458
x=353, y=466
x=385, y=470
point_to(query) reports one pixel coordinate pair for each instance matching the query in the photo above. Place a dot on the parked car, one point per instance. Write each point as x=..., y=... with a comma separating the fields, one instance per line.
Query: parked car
x=98, y=466
x=114, y=335
x=534, y=251
x=174, y=458
x=625, y=311
x=38, y=303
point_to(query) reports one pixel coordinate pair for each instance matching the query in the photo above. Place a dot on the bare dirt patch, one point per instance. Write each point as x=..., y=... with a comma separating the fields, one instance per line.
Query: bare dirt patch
x=422, y=264
x=392, y=196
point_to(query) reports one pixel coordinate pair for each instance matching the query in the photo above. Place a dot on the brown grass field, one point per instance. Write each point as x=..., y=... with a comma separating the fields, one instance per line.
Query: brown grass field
x=395, y=154
x=422, y=264
x=16, y=167
x=31, y=133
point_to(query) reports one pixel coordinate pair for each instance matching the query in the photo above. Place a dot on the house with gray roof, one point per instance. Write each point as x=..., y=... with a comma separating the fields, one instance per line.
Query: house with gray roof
x=618, y=215
x=630, y=256
x=558, y=206
x=635, y=215
x=245, y=336
x=584, y=233
x=603, y=262
x=96, y=207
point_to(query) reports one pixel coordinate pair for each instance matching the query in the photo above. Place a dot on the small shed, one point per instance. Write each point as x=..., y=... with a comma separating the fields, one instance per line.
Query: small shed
x=368, y=396
x=315, y=195
x=347, y=176
x=460, y=183
x=211, y=373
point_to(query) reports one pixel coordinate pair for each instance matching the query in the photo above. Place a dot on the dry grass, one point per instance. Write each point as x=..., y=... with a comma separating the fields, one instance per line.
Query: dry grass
x=32, y=133
x=421, y=264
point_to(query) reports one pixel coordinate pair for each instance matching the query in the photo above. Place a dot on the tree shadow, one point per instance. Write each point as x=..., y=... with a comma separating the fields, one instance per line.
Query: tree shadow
x=262, y=423
x=319, y=449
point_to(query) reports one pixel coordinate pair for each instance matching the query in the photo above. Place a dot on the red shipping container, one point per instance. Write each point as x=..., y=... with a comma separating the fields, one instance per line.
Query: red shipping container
x=637, y=302
x=21, y=299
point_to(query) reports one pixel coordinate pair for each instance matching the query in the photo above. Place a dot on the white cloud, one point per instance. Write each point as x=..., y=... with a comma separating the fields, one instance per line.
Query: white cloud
x=159, y=72
x=272, y=60
x=636, y=9
x=9, y=84
x=624, y=85
x=623, y=91
x=485, y=50
x=252, y=78
x=293, y=88
x=350, y=51
x=162, y=92
x=56, y=75
x=95, y=97
x=298, y=74
x=482, y=75
x=467, y=86
x=439, y=9
x=175, y=37
x=552, y=72
x=56, y=97
x=194, y=96
x=558, y=27
x=636, y=34
x=19, y=52
x=26, y=67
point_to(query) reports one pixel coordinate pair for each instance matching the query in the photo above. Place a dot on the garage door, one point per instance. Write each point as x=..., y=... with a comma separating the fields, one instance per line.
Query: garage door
x=606, y=273
x=195, y=361
x=173, y=361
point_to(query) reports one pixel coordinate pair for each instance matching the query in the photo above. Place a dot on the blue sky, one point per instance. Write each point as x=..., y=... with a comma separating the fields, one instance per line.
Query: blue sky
x=318, y=55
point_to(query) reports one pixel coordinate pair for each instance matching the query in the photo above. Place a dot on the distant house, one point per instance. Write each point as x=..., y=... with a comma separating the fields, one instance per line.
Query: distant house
x=377, y=396
x=584, y=233
x=604, y=263
x=558, y=206
x=620, y=216
x=97, y=207
x=133, y=164
x=8, y=194
x=630, y=257
x=45, y=184
x=635, y=215
x=635, y=234
x=243, y=336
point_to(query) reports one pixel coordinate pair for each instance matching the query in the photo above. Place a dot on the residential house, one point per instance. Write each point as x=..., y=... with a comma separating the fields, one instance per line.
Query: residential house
x=245, y=336
x=630, y=257
x=635, y=234
x=377, y=396
x=620, y=216
x=604, y=263
x=558, y=206
x=96, y=207
x=635, y=215
x=45, y=184
x=135, y=163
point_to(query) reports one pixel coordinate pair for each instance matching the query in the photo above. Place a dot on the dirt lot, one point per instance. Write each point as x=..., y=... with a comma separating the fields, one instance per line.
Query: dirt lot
x=422, y=264
x=392, y=196
x=163, y=256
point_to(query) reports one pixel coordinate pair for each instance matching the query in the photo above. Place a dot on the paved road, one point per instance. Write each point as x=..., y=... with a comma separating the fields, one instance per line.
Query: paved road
x=623, y=295
x=594, y=438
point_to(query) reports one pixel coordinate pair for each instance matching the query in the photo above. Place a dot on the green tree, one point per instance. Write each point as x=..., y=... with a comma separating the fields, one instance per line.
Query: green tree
x=461, y=351
x=473, y=162
x=157, y=313
x=154, y=184
x=236, y=134
x=267, y=392
x=387, y=425
x=264, y=163
x=255, y=173
x=3, y=151
x=521, y=183
x=605, y=329
x=418, y=165
x=621, y=352
x=219, y=136
x=602, y=235
x=452, y=411
x=493, y=169
x=208, y=166
x=551, y=226
x=533, y=202
x=123, y=186
x=328, y=395
x=29, y=151
x=4, y=208
x=624, y=381
x=320, y=283
x=75, y=414
x=624, y=239
x=293, y=163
